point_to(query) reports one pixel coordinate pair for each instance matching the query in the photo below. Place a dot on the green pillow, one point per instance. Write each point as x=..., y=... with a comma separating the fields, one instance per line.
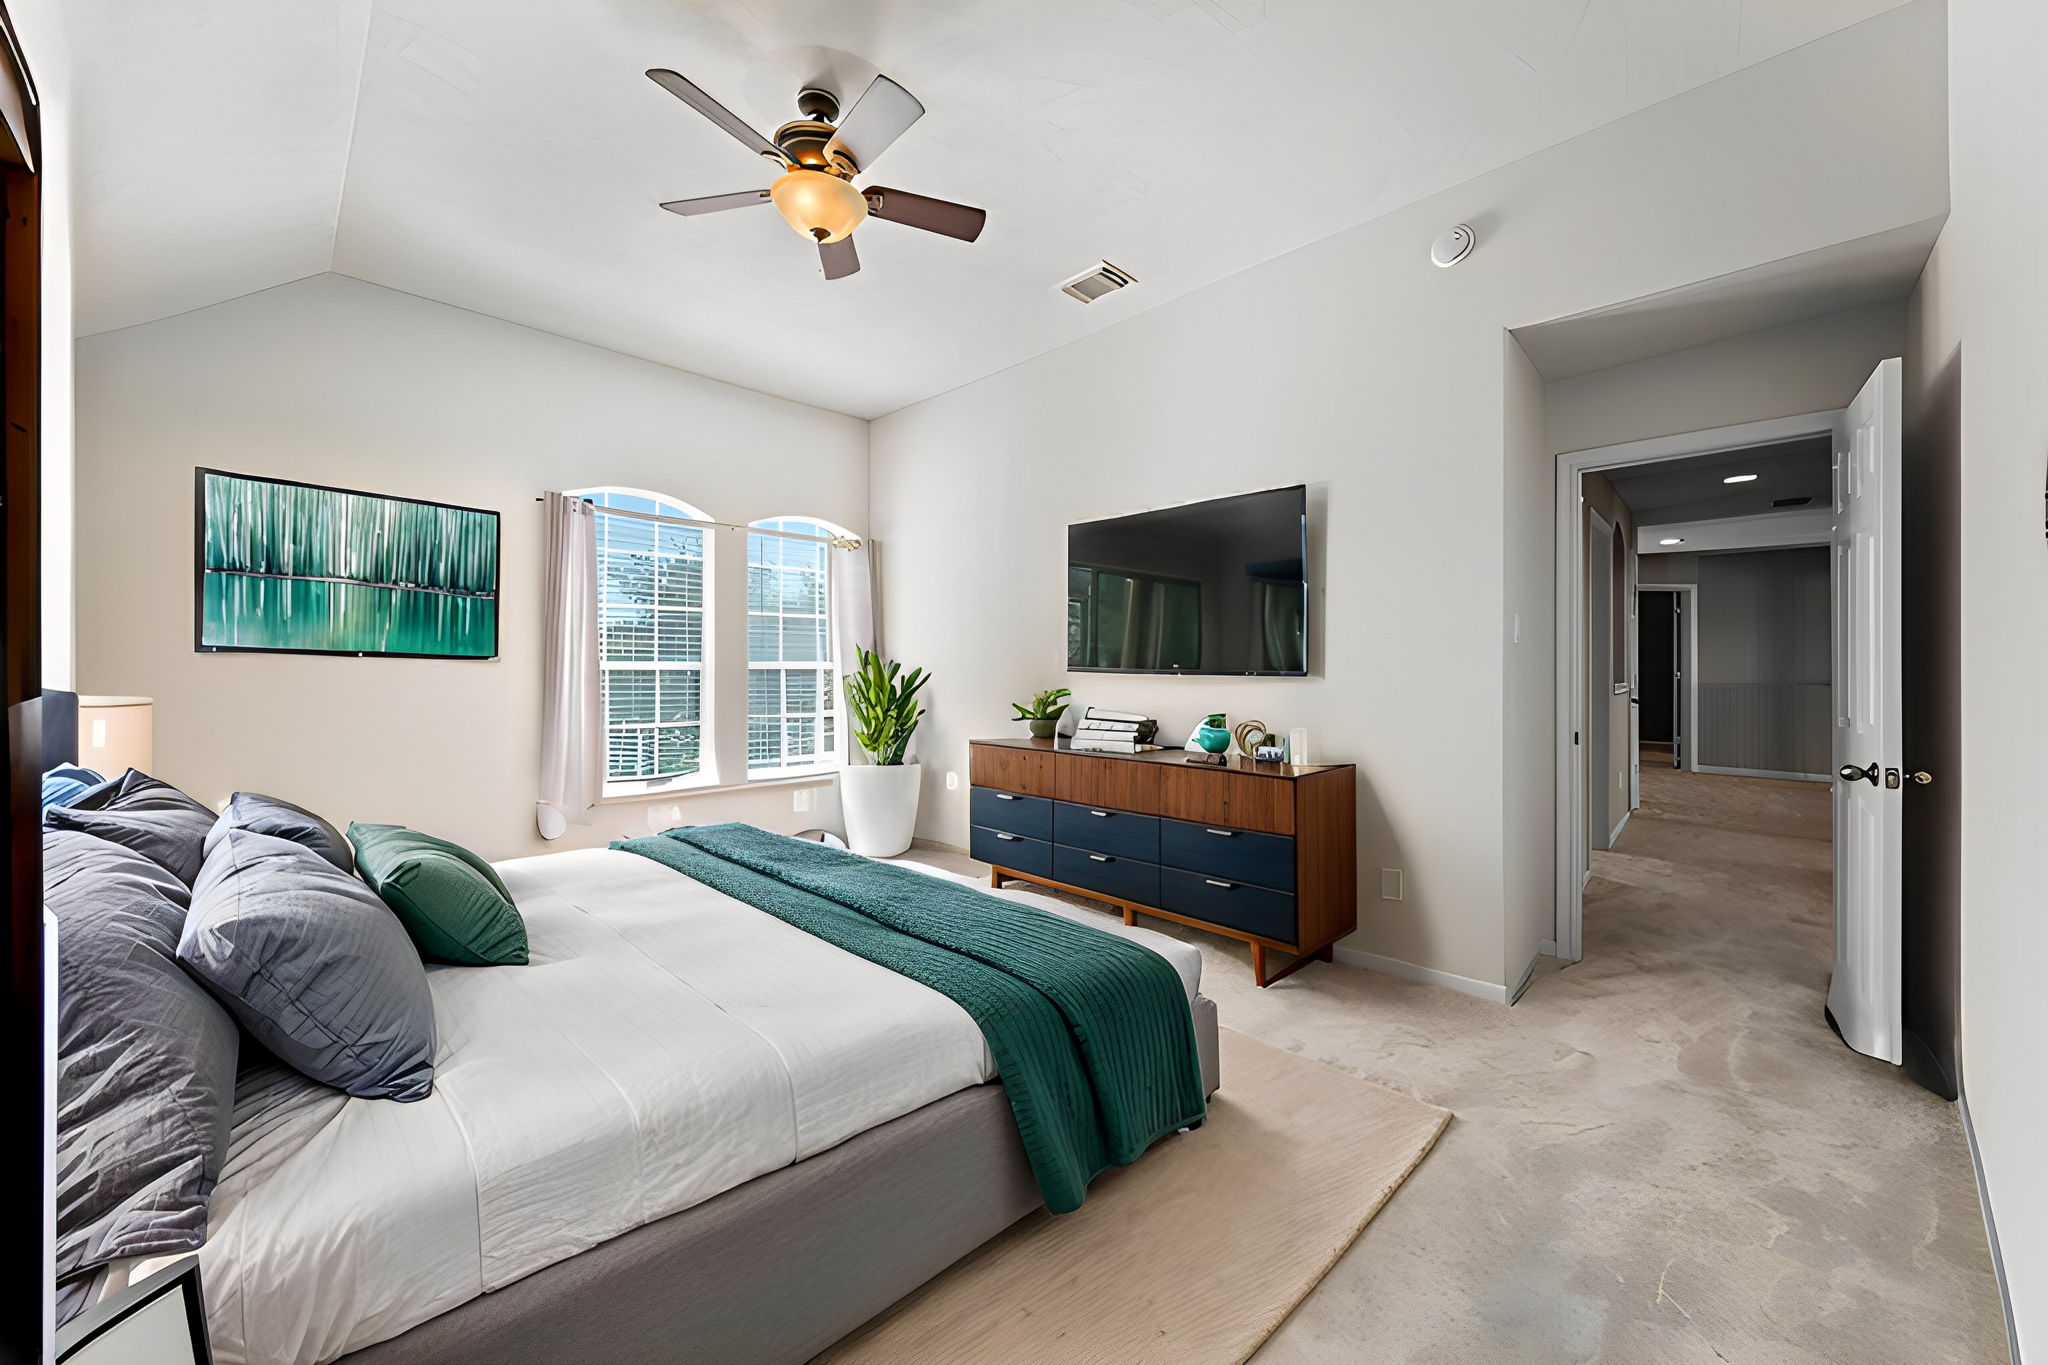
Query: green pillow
x=448, y=899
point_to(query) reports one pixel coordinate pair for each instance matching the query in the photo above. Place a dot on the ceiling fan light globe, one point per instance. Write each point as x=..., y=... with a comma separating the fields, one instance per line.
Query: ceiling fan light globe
x=820, y=207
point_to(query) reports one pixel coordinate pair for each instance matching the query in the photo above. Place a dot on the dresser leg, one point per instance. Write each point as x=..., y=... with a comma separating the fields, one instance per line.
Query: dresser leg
x=1259, y=963
x=995, y=878
x=1130, y=915
x=1328, y=953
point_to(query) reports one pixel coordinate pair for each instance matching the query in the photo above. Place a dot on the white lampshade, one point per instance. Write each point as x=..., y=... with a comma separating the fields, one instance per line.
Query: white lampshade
x=116, y=734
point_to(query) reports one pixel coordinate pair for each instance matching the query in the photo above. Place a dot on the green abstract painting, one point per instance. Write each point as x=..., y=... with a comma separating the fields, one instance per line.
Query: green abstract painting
x=298, y=568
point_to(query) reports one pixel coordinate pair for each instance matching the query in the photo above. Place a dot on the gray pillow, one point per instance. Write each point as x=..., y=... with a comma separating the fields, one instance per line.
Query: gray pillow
x=152, y=817
x=145, y=1059
x=268, y=815
x=313, y=964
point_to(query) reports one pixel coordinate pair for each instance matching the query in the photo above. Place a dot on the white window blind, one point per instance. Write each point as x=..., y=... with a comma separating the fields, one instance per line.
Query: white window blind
x=653, y=615
x=793, y=706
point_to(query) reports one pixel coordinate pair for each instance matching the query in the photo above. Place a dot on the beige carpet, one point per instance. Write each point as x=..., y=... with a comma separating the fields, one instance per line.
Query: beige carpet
x=1193, y=1255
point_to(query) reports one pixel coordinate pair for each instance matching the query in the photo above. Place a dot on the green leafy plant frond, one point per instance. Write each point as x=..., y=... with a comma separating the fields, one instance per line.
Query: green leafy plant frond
x=1047, y=705
x=883, y=701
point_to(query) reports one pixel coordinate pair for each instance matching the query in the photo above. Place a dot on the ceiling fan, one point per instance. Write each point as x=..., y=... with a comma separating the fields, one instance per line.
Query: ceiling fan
x=820, y=154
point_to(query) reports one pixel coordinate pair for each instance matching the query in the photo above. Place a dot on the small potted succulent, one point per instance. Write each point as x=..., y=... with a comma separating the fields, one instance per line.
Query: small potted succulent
x=1044, y=712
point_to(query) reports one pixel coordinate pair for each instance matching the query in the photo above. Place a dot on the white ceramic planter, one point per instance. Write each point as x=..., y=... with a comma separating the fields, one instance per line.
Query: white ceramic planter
x=880, y=805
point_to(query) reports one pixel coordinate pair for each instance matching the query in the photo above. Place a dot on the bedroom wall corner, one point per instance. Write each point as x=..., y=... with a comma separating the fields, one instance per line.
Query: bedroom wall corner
x=330, y=380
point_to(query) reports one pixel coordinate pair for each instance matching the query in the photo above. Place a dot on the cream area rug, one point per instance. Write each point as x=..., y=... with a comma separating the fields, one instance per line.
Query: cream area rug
x=1192, y=1256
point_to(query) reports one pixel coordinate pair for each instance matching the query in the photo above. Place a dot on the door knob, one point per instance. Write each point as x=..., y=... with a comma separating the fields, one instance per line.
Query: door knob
x=1922, y=778
x=1852, y=773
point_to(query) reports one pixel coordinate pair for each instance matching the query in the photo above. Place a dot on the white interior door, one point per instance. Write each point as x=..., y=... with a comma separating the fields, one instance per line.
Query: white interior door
x=1865, y=994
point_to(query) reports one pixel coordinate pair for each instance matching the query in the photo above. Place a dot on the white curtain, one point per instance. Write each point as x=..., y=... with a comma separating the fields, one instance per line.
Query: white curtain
x=855, y=617
x=571, y=722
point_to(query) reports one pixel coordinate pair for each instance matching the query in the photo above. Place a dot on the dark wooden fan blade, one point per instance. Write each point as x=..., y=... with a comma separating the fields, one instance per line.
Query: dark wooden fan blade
x=839, y=257
x=716, y=203
x=710, y=108
x=877, y=119
x=921, y=211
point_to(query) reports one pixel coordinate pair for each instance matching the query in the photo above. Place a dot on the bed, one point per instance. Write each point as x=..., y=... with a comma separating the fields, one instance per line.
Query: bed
x=684, y=1131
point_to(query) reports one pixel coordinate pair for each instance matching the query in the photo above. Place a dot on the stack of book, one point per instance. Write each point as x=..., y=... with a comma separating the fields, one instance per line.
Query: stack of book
x=1114, y=732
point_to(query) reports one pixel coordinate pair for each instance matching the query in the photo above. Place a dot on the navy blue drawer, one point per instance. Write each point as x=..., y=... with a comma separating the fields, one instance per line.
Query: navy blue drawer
x=1013, y=851
x=1101, y=830
x=1236, y=855
x=1125, y=878
x=1030, y=816
x=1254, y=909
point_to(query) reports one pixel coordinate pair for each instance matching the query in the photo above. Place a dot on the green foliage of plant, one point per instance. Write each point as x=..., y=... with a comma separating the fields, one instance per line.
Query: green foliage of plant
x=1047, y=705
x=884, y=706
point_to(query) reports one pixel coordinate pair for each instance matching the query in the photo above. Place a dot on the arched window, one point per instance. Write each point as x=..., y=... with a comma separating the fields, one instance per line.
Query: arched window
x=794, y=712
x=654, y=616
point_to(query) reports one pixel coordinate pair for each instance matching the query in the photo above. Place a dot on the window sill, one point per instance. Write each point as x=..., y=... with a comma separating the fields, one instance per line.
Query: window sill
x=683, y=792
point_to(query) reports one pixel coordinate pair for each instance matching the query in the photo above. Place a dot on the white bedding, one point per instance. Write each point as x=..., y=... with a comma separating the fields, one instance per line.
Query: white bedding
x=665, y=1044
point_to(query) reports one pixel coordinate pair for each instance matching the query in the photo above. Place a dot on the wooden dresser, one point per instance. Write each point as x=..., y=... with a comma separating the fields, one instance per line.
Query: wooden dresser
x=1263, y=852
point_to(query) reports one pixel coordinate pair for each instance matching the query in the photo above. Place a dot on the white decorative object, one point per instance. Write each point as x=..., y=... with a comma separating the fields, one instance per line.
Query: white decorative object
x=1297, y=745
x=880, y=803
x=116, y=734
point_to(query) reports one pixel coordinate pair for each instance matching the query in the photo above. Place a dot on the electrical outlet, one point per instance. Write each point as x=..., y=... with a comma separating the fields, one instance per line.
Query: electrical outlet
x=952, y=782
x=1390, y=883
x=800, y=799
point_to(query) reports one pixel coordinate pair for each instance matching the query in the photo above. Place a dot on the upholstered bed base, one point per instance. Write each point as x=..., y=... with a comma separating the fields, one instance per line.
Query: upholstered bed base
x=778, y=1269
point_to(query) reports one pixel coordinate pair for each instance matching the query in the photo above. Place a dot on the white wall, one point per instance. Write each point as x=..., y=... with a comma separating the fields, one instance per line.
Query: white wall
x=1801, y=367
x=39, y=27
x=333, y=381
x=1528, y=778
x=1356, y=366
x=1985, y=294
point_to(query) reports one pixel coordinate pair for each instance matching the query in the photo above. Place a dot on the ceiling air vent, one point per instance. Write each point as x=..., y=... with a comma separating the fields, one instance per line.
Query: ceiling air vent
x=1790, y=502
x=1092, y=284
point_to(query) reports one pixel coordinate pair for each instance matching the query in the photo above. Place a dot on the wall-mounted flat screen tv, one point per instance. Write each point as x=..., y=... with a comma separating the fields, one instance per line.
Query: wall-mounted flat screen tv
x=1215, y=587
x=296, y=568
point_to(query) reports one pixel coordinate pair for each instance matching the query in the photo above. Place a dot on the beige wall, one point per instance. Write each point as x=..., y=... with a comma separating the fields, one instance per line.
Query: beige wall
x=1528, y=778
x=1980, y=325
x=337, y=382
x=1357, y=367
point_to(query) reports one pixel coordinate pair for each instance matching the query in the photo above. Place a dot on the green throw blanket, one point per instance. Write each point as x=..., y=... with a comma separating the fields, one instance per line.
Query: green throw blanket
x=1090, y=1032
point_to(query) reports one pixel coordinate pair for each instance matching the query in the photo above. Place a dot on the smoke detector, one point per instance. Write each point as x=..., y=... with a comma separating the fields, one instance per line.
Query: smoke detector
x=1091, y=284
x=1453, y=247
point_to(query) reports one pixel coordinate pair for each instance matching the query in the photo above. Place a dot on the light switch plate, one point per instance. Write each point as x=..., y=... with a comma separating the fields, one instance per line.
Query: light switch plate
x=1390, y=883
x=800, y=799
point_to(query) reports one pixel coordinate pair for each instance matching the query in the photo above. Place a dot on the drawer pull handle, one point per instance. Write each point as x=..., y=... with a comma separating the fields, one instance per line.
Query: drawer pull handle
x=1005, y=796
x=1222, y=833
x=1100, y=858
x=1227, y=886
x=1103, y=813
x=1007, y=838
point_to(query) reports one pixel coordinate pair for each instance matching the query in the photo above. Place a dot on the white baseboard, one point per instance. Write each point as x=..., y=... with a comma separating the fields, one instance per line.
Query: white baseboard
x=1430, y=976
x=1764, y=772
x=1615, y=834
x=2012, y=1336
x=1528, y=975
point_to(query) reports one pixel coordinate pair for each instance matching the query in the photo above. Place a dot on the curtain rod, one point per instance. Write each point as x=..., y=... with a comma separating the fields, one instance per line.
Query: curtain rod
x=836, y=542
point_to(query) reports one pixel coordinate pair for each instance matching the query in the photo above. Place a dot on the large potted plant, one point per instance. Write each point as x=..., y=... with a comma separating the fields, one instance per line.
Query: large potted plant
x=879, y=797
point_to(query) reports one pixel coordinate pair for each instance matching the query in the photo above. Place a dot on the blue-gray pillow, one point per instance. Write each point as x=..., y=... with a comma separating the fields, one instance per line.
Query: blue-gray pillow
x=64, y=784
x=145, y=1059
x=152, y=817
x=261, y=814
x=314, y=966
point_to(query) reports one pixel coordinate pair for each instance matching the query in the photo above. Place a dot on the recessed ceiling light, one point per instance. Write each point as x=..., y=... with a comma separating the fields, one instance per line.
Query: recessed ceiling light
x=1674, y=540
x=1740, y=478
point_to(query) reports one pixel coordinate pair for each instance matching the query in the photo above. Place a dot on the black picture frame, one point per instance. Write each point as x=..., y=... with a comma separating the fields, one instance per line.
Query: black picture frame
x=199, y=644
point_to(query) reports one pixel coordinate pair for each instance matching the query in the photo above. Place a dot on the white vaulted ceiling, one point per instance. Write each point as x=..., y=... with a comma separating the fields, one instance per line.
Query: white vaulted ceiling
x=507, y=155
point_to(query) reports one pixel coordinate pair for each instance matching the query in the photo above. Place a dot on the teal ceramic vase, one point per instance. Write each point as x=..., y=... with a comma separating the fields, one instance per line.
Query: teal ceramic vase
x=1213, y=736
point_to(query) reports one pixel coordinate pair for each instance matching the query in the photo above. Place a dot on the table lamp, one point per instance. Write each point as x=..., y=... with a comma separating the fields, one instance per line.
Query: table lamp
x=116, y=734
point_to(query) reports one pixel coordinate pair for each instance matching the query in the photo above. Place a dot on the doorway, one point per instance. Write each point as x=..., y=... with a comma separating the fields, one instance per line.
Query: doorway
x=1665, y=644
x=1815, y=632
